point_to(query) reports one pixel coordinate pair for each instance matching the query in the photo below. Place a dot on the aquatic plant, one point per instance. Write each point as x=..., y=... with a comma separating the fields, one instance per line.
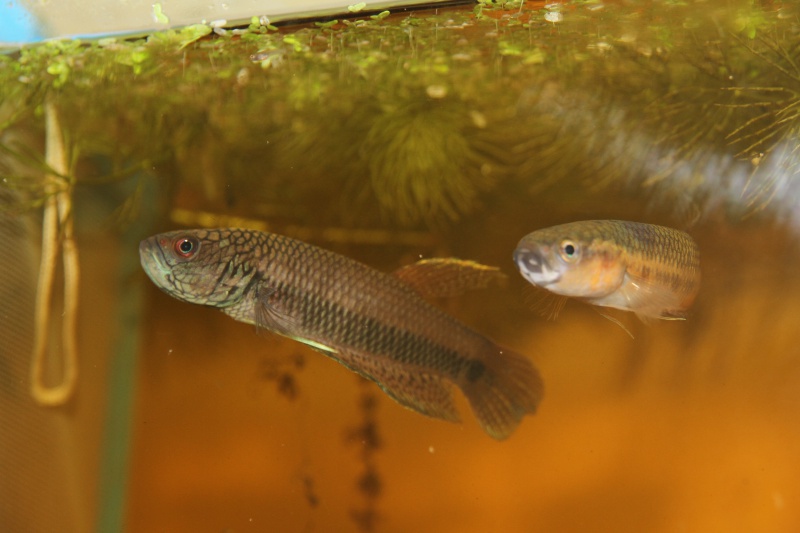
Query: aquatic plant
x=410, y=120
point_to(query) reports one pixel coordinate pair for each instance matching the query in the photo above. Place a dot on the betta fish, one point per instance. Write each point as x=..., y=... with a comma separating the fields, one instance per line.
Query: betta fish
x=376, y=324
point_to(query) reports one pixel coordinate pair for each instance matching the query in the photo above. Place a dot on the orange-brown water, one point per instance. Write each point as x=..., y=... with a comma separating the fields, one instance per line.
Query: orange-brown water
x=437, y=134
x=688, y=427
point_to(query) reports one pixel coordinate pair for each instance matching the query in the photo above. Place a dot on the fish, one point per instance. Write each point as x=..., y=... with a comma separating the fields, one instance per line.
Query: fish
x=653, y=271
x=378, y=325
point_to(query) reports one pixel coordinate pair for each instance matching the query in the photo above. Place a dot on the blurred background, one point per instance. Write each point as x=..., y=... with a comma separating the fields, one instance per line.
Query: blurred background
x=389, y=135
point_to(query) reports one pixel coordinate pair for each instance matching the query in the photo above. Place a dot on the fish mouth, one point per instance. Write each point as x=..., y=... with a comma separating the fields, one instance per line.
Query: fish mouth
x=148, y=253
x=144, y=248
x=534, y=267
x=153, y=260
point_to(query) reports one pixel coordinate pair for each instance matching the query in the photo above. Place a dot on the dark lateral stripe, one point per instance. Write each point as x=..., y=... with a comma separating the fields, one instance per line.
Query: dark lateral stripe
x=344, y=329
x=661, y=268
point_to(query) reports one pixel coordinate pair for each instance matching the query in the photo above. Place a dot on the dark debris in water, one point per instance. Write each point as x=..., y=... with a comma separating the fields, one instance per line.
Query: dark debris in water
x=367, y=438
x=282, y=372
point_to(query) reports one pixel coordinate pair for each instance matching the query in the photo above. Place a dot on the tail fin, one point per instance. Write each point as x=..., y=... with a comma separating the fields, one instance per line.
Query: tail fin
x=507, y=388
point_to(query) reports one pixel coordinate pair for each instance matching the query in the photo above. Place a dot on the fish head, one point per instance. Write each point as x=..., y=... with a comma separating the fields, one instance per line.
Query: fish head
x=569, y=263
x=195, y=266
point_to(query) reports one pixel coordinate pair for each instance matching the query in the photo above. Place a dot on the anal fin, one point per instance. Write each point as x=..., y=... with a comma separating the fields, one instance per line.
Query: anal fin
x=410, y=387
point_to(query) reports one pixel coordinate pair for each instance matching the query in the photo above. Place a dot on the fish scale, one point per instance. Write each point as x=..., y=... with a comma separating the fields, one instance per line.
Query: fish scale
x=667, y=255
x=371, y=322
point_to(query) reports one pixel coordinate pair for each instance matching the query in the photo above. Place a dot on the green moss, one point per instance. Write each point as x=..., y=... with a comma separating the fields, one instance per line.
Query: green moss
x=257, y=114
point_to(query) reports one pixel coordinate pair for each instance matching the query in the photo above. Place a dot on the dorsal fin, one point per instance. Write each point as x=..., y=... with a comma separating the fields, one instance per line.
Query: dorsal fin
x=447, y=277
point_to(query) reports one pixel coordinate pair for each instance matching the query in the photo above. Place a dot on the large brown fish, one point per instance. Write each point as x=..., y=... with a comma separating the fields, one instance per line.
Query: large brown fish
x=376, y=324
x=653, y=271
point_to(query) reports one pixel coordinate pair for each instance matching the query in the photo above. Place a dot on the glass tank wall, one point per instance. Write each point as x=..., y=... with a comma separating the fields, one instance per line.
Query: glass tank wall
x=387, y=138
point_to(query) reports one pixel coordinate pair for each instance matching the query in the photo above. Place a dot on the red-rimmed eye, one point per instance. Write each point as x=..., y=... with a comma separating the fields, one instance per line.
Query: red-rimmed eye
x=186, y=246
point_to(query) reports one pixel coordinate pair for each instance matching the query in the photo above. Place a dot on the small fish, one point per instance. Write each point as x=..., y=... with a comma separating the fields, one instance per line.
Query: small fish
x=375, y=324
x=651, y=270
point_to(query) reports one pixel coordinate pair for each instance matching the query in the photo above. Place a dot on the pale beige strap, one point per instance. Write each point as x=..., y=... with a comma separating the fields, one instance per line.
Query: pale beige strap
x=57, y=215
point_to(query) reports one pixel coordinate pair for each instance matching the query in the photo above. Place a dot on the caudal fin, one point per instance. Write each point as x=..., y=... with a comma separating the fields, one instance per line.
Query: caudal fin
x=506, y=388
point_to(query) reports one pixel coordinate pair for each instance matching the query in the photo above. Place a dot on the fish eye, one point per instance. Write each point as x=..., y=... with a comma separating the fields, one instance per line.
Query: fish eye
x=186, y=246
x=569, y=251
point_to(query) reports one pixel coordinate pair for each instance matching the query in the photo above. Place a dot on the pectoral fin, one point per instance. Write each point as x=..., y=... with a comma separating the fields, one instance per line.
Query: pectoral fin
x=271, y=315
x=546, y=304
x=649, y=301
x=447, y=277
